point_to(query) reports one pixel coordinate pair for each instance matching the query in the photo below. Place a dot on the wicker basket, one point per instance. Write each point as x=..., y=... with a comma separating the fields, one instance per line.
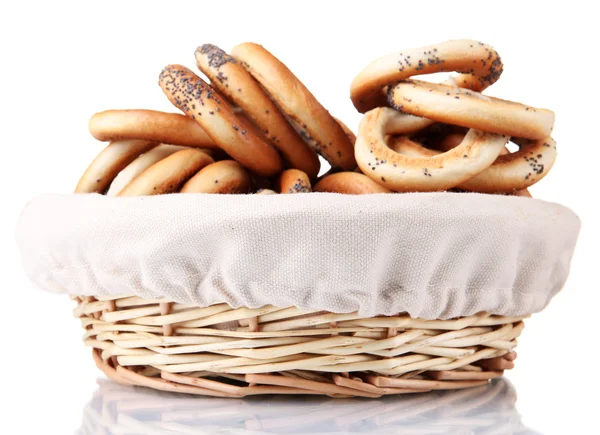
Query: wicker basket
x=225, y=352
x=159, y=312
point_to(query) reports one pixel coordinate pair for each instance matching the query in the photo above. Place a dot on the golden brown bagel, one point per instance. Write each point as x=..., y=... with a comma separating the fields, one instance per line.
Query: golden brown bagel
x=409, y=148
x=139, y=165
x=523, y=192
x=349, y=133
x=407, y=124
x=105, y=167
x=232, y=80
x=307, y=115
x=167, y=175
x=215, y=115
x=510, y=172
x=452, y=140
x=470, y=109
x=226, y=176
x=406, y=146
x=352, y=183
x=294, y=181
x=171, y=128
x=516, y=171
x=479, y=64
x=441, y=172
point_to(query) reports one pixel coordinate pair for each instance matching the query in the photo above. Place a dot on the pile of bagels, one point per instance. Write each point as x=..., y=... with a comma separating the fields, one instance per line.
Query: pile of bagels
x=255, y=128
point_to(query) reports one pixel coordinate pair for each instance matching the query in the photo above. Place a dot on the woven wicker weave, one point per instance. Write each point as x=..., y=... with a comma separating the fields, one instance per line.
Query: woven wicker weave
x=226, y=352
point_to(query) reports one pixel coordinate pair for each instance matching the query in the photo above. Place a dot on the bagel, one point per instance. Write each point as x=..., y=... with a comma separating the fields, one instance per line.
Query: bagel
x=167, y=175
x=523, y=192
x=294, y=181
x=470, y=109
x=139, y=165
x=314, y=123
x=479, y=64
x=452, y=140
x=352, y=183
x=407, y=124
x=403, y=145
x=349, y=133
x=400, y=173
x=215, y=115
x=226, y=176
x=232, y=80
x=509, y=173
x=111, y=160
x=516, y=171
x=409, y=148
x=171, y=128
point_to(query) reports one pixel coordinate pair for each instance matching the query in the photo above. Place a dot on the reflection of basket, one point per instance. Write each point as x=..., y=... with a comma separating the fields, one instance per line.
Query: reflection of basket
x=482, y=410
x=225, y=352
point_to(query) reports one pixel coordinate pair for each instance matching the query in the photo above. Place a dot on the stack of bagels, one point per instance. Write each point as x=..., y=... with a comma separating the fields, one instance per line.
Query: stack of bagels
x=255, y=128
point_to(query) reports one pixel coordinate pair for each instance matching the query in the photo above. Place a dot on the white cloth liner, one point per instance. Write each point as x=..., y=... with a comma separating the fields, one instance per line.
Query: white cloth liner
x=432, y=255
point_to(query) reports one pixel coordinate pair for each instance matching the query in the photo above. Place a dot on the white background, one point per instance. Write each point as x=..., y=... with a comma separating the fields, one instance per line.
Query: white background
x=61, y=62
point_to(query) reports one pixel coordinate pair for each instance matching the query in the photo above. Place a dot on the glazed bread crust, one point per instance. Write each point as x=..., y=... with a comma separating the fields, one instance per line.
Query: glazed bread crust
x=171, y=128
x=111, y=160
x=215, y=115
x=349, y=133
x=169, y=174
x=470, y=109
x=479, y=66
x=294, y=181
x=233, y=81
x=139, y=165
x=225, y=177
x=510, y=172
x=401, y=173
x=352, y=183
x=307, y=115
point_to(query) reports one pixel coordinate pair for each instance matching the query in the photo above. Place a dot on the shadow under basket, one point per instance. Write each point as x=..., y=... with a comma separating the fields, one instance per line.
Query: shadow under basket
x=226, y=352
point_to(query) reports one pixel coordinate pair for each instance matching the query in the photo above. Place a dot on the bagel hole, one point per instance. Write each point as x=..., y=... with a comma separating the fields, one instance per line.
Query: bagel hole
x=512, y=147
x=439, y=77
x=325, y=166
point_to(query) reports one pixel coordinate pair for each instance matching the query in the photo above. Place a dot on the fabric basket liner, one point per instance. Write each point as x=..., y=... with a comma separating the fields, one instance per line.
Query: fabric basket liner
x=431, y=255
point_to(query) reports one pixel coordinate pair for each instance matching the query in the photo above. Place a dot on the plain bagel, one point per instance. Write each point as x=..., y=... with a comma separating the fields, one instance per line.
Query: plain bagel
x=169, y=174
x=351, y=183
x=171, y=128
x=111, y=160
x=139, y=165
x=225, y=177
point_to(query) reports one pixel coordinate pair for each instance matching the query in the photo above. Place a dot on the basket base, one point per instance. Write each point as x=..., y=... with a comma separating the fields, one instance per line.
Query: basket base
x=225, y=352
